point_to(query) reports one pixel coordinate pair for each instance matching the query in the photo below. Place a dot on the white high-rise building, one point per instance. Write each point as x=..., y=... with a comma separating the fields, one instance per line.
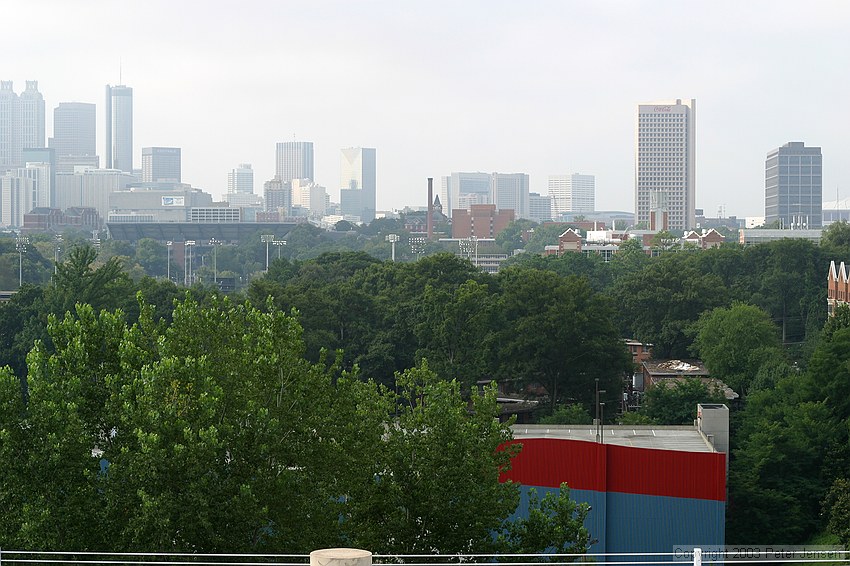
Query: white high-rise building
x=22, y=190
x=119, y=128
x=572, y=193
x=358, y=183
x=32, y=117
x=665, y=160
x=241, y=180
x=509, y=191
x=294, y=160
x=21, y=122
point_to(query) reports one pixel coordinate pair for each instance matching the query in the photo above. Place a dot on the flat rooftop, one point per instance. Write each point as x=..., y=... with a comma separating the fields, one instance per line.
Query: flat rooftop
x=680, y=438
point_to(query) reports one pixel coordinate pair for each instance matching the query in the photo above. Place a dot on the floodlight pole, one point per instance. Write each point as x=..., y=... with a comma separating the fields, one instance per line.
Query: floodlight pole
x=268, y=239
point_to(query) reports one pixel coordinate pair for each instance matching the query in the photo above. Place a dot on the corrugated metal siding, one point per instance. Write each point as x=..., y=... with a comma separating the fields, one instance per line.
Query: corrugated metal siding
x=547, y=462
x=643, y=500
x=629, y=523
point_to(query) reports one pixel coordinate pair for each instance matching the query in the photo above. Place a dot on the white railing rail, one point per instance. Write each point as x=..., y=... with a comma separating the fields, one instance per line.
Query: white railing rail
x=694, y=557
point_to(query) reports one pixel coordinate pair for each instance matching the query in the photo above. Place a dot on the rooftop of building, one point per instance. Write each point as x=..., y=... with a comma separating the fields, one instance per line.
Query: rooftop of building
x=680, y=438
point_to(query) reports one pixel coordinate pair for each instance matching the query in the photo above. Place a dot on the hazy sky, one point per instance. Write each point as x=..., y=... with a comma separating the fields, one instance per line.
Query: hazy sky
x=537, y=87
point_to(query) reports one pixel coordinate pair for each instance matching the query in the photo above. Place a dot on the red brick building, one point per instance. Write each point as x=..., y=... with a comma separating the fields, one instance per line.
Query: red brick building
x=837, y=287
x=480, y=220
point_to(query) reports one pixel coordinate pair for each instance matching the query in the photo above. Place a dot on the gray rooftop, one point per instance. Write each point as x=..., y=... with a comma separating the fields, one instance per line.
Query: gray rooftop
x=681, y=438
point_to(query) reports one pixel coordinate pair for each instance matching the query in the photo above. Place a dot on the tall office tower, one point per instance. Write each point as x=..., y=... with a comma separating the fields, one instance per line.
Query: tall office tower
x=461, y=190
x=294, y=160
x=539, y=207
x=665, y=160
x=21, y=122
x=358, y=180
x=74, y=137
x=32, y=117
x=278, y=196
x=572, y=193
x=241, y=180
x=793, y=186
x=9, y=130
x=119, y=128
x=161, y=165
x=509, y=191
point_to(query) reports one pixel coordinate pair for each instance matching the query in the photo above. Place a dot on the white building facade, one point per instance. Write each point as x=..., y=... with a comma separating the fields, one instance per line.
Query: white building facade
x=358, y=182
x=509, y=191
x=572, y=193
x=294, y=160
x=665, y=161
x=119, y=128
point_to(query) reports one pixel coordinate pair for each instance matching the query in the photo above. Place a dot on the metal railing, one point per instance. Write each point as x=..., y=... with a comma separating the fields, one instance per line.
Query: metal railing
x=695, y=557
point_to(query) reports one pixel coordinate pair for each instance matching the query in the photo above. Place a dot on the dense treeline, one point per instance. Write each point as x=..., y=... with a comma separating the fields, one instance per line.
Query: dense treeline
x=754, y=315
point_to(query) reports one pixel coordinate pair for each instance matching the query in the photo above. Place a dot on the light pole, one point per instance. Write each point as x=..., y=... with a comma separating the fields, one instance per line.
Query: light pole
x=168, y=245
x=21, y=243
x=392, y=239
x=279, y=244
x=187, y=271
x=215, y=244
x=599, y=412
x=56, y=249
x=268, y=239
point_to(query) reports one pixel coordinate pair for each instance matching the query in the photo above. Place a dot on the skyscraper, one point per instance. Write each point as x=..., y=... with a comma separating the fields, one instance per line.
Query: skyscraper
x=572, y=193
x=665, y=160
x=294, y=160
x=358, y=179
x=32, y=116
x=793, y=186
x=161, y=165
x=241, y=180
x=74, y=135
x=21, y=122
x=509, y=191
x=119, y=128
x=461, y=190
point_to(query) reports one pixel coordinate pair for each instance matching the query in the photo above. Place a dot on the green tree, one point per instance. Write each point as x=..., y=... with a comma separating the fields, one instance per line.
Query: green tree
x=555, y=525
x=568, y=415
x=676, y=403
x=836, y=507
x=437, y=446
x=558, y=332
x=734, y=342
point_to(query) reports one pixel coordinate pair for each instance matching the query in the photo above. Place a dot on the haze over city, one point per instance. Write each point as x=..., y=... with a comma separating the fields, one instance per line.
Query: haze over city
x=543, y=88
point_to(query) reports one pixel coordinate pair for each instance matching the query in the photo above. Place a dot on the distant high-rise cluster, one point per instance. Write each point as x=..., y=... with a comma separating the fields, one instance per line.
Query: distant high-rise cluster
x=665, y=162
x=119, y=128
x=508, y=191
x=793, y=186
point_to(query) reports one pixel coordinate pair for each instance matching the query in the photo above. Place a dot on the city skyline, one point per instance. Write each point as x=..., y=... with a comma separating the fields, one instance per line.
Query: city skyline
x=419, y=91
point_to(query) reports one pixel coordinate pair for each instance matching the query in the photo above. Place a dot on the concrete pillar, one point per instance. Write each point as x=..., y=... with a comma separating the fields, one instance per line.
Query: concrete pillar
x=341, y=557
